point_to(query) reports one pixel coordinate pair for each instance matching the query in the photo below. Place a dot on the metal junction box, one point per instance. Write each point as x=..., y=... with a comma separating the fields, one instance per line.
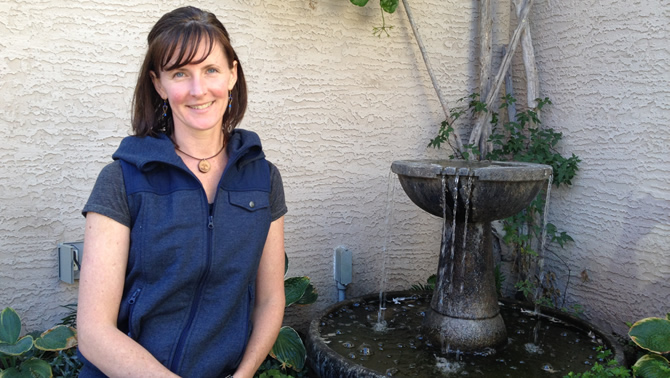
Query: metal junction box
x=69, y=261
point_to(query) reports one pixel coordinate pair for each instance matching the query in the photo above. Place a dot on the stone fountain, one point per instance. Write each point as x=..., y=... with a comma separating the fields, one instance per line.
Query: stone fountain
x=464, y=310
x=464, y=313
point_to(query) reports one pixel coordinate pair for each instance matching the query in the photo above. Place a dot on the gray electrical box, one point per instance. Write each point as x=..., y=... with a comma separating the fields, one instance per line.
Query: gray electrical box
x=343, y=265
x=69, y=261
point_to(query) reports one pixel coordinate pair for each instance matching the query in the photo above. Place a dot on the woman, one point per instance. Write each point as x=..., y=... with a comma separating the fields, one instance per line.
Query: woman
x=184, y=243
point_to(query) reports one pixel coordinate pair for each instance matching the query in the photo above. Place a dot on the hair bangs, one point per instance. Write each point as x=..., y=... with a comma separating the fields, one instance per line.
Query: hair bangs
x=183, y=50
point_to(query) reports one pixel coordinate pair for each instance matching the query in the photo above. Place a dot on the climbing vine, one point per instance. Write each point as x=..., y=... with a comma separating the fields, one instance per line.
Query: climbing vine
x=522, y=140
x=388, y=6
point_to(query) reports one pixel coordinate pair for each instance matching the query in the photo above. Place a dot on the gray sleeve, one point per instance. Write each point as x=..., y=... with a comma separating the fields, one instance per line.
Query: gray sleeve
x=108, y=197
x=277, y=200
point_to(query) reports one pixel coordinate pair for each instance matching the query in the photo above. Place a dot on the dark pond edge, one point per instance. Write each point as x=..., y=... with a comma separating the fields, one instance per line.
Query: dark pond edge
x=326, y=363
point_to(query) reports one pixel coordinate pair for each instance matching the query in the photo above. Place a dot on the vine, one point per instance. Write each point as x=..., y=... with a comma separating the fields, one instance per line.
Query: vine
x=521, y=140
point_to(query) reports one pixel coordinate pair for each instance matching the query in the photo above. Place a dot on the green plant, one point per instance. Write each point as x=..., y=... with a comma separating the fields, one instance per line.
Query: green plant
x=24, y=356
x=610, y=369
x=520, y=139
x=288, y=349
x=428, y=286
x=652, y=335
x=388, y=6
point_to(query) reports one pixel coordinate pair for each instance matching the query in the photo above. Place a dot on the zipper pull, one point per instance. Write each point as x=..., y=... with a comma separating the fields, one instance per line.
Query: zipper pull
x=133, y=298
x=210, y=225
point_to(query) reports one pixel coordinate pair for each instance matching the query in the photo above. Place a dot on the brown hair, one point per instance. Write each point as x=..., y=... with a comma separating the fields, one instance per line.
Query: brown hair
x=178, y=34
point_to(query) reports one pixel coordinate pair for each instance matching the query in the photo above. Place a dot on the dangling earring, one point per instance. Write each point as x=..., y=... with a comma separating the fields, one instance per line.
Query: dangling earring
x=230, y=100
x=165, y=108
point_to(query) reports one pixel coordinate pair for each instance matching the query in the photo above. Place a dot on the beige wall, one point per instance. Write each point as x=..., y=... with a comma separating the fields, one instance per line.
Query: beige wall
x=335, y=106
x=606, y=67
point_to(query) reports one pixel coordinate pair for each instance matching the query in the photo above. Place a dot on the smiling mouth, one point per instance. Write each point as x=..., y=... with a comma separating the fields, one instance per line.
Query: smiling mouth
x=203, y=106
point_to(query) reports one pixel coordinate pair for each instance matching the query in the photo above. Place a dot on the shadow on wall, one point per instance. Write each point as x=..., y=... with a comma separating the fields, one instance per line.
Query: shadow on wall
x=644, y=228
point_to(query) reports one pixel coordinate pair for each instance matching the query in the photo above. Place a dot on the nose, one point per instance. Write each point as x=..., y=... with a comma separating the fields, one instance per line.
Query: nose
x=198, y=87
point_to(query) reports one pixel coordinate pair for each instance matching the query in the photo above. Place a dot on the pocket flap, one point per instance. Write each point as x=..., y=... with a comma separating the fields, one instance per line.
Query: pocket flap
x=251, y=201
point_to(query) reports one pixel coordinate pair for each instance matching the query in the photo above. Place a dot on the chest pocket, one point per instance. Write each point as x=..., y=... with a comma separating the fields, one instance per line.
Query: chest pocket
x=251, y=201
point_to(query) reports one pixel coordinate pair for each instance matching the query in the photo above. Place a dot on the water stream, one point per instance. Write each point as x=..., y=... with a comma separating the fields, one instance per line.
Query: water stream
x=540, y=259
x=467, y=193
x=453, y=231
x=390, y=202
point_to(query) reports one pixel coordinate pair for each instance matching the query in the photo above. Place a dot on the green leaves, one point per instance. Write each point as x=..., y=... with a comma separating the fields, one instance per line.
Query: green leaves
x=294, y=289
x=652, y=366
x=289, y=349
x=10, y=326
x=17, y=352
x=31, y=368
x=57, y=338
x=652, y=334
x=18, y=348
x=389, y=6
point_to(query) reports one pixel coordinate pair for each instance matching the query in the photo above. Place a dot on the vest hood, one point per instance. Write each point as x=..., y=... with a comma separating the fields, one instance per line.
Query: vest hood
x=146, y=152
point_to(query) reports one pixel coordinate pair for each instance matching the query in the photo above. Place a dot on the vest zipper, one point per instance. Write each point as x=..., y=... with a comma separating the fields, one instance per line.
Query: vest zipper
x=179, y=351
x=131, y=303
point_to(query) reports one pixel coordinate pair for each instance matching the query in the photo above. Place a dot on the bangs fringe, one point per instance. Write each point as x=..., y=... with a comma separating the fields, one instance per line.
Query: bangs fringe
x=182, y=50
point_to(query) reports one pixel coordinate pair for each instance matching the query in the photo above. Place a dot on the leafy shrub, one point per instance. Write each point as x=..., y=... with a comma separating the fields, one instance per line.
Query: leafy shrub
x=28, y=356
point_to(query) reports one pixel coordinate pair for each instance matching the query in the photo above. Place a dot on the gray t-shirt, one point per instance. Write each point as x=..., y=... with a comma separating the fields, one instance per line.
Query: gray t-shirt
x=109, y=195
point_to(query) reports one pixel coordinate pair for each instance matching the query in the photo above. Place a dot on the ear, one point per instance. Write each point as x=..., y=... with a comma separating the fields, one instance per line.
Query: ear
x=233, y=76
x=157, y=85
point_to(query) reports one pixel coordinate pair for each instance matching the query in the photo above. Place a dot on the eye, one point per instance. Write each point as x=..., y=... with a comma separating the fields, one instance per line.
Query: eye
x=212, y=70
x=178, y=75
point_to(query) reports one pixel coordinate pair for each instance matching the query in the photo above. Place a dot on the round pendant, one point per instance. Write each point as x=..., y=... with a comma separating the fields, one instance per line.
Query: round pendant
x=204, y=166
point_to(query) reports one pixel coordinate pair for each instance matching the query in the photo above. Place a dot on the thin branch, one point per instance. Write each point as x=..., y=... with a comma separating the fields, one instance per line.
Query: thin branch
x=532, y=80
x=485, y=58
x=500, y=77
x=445, y=107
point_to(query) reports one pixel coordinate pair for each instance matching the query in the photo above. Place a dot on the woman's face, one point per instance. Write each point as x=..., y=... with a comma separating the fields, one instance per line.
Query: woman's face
x=198, y=93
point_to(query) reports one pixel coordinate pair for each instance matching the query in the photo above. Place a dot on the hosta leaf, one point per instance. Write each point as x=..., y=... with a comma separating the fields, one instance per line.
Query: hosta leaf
x=652, y=334
x=389, y=6
x=10, y=326
x=652, y=366
x=32, y=368
x=18, y=348
x=310, y=296
x=289, y=349
x=294, y=289
x=57, y=338
x=360, y=3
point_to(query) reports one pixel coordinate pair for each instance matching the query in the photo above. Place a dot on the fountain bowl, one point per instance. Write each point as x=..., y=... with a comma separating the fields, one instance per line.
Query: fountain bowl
x=498, y=189
x=325, y=362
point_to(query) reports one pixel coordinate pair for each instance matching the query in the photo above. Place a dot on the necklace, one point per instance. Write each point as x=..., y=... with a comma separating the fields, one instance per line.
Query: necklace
x=203, y=164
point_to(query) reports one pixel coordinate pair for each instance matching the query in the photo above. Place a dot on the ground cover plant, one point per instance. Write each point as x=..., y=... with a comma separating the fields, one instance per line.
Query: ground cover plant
x=34, y=354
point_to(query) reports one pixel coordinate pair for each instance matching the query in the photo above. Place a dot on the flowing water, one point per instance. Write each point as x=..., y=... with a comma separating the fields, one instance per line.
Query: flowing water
x=468, y=191
x=390, y=194
x=403, y=351
x=540, y=260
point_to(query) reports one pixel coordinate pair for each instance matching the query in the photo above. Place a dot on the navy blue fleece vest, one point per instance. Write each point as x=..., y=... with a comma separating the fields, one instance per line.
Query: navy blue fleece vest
x=191, y=274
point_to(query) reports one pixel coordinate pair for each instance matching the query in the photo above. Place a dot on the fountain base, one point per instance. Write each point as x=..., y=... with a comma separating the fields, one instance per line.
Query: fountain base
x=465, y=335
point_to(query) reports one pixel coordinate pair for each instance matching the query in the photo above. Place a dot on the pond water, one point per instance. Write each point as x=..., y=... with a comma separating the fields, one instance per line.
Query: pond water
x=400, y=349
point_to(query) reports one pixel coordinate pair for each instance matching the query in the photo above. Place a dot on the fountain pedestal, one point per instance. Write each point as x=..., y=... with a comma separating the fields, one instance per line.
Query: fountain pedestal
x=468, y=195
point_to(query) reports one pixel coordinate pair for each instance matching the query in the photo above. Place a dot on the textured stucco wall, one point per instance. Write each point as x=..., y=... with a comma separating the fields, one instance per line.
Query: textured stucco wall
x=606, y=67
x=335, y=106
